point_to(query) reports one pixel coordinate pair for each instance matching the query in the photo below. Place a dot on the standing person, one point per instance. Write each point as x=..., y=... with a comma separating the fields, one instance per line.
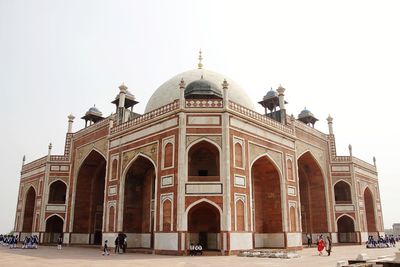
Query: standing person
x=125, y=244
x=59, y=242
x=116, y=243
x=105, y=249
x=320, y=245
x=309, y=240
x=329, y=245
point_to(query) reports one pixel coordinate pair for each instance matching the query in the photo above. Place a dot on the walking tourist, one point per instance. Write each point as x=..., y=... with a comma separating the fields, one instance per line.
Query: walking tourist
x=59, y=242
x=329, y=245
x=320, y=245
x=105, y=249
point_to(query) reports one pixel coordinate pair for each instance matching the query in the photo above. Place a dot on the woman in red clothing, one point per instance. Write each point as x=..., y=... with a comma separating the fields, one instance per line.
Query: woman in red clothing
x=320, y=245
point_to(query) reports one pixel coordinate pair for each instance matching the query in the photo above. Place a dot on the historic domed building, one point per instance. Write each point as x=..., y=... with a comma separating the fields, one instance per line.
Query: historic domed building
x=199, y=166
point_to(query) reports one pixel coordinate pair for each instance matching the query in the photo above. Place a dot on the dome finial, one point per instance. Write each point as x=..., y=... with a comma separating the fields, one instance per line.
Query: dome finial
x=200, y=65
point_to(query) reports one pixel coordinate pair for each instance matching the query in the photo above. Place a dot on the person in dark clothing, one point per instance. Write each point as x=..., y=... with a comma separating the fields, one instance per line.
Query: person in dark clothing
x=329, y=245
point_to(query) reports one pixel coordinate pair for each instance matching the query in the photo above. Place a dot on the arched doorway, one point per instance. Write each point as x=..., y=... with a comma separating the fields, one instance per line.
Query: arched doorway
x=57, y=193
x=267, y=207
x=30, y=199
x=314, y=218
x=204, y=226
x=346, y=232
x=370, y=211
x=89, y=198
x=342, y=193
x=54, y=229
x=203, y=162
x=139, y=195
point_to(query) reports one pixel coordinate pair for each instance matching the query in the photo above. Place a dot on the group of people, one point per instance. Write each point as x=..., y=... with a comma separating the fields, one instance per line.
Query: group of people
x=321, y=244
x=9, y=241
x=30, y=242
x=381, y=242
x=120, y=243
x=195, y=249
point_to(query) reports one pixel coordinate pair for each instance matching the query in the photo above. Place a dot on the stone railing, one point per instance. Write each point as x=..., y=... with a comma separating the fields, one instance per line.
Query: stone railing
x=203, y=103
x=34, y=163
x=92, y=127
x=310, y=130
x=146, y=117
x=59, y=158
x=259, y=117
x=342, y=159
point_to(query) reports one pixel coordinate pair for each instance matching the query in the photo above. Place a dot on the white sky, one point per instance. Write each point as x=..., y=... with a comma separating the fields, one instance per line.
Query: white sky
x=334, y=57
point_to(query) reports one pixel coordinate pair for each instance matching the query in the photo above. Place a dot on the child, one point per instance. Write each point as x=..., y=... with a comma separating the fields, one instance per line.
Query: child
x=59, y=242
x=105, y=250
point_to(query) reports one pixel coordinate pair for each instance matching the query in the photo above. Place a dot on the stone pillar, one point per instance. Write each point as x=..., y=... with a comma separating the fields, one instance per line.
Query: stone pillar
x=70, y=122
x=330, y=119
x=182, y=166
x=281, y=97
x=225, y=168
x=121, y=104
x=23, y=160
x=49, y=151
x=182, y=94
x=350, y=151
x=225, y=100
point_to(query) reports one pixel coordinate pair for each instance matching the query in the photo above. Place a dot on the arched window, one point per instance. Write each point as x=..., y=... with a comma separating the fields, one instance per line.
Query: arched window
x=114, y=168
x=111, y=215
x=166, y=227
x=240, y=223
x=293, y=221
x=203, y=163
x=58, y=192
x=290, y=170
x=342, y=193
x=168, y=155
x=238, y=155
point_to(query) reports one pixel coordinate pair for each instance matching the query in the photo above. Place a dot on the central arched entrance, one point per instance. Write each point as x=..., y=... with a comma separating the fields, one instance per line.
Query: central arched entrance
x=370, y=212
x=346, y=233
x=204, y=226
x=89, y=199
x=314, y=218
x=54, y=229
x=139, y=195
x=267, y=207
x=30, y=199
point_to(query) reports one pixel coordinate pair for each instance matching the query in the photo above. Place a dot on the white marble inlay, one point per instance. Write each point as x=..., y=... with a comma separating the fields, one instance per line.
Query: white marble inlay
x=204, y=120
x=340, y=168
x=204, y=188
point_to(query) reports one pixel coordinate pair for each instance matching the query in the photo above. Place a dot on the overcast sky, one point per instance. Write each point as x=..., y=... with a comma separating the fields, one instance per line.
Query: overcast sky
x=333, y=57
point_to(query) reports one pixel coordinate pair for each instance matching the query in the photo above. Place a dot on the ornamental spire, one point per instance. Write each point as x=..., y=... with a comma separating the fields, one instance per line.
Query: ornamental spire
x=200, y=65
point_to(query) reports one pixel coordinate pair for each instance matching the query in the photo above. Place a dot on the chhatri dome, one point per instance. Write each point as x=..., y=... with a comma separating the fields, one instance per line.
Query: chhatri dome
x=169, y=91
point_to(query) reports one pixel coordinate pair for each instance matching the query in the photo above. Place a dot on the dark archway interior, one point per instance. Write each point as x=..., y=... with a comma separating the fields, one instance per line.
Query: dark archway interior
x=346, y=233
x=89, y=198
x=30, y=200
x=266, y=196
x=369, y=210
x=57, y=193
x=54, y=229
x=138, y=196
x=204, y=225
x=203, y=162
x=342, y=193
x=312, y=196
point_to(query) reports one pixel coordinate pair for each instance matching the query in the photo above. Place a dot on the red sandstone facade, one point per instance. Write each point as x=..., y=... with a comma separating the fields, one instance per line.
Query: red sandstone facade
x=198, y=170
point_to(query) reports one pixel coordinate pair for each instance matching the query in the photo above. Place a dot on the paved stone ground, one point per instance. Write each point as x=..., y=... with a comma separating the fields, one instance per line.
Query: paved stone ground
x=75, y=256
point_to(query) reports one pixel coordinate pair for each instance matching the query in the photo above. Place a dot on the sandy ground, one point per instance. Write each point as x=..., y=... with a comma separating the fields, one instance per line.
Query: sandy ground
x=76, y=256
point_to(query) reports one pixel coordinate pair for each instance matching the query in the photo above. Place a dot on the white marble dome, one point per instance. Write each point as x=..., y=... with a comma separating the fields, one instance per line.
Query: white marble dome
x=169, y=91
